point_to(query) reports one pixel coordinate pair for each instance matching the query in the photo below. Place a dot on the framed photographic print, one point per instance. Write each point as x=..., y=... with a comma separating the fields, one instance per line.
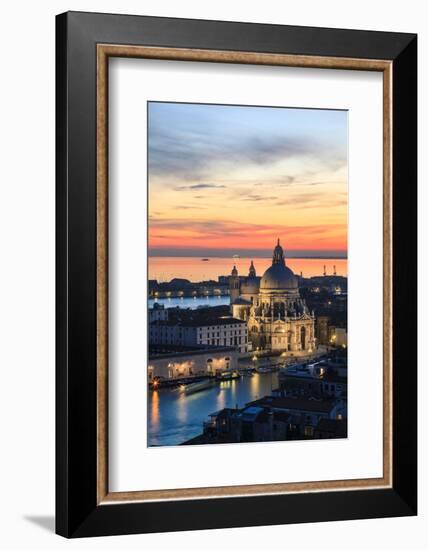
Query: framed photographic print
x=236, y=274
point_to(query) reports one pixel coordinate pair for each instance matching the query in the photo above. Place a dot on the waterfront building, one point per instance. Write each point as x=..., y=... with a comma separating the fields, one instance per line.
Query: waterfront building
x=158, y=313
x=274, y=419
x=331, y=326
x=261, y=424
x=183, y=288
x=276, y=315
x=322, y=329
x=336, y=285
x=244, y=425
x=175, y=362
x=339, y=337
x=320, y=382
x=305, y=412
x=200, y=330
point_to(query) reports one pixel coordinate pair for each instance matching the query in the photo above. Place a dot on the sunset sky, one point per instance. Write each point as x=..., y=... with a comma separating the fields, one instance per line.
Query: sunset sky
x=229, y=180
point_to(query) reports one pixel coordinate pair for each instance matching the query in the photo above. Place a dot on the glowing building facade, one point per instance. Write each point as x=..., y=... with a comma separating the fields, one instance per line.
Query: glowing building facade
x=277, y=317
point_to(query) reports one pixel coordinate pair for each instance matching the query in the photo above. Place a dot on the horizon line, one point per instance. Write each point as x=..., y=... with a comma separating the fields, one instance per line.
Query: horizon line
x=245, y=253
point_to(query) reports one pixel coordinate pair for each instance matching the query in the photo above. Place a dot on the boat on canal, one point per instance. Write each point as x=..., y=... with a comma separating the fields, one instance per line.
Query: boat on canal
x=194, y=387
x=248, y=373
x=267, y=369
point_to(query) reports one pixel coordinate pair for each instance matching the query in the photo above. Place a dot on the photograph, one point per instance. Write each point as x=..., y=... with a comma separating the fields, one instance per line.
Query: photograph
x=247, y=259
x=213, y=255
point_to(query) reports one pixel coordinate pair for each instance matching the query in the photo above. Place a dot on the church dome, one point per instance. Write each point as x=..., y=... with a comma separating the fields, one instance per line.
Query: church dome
x=278, y=276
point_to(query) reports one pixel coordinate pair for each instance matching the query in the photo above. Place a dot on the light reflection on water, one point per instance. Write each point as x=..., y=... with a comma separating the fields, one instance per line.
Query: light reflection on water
x=174, y=417
x=155, y=410
x=182, y=409
x=191, y=268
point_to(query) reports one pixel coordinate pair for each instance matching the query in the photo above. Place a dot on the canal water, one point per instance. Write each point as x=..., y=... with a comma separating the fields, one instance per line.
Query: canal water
x=191, y=303
x=174, y=417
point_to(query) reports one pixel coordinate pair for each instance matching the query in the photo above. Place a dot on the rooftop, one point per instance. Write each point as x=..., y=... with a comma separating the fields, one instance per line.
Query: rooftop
x=223, y=413
x=292, y=403
x=251, y=413
x=200, y=321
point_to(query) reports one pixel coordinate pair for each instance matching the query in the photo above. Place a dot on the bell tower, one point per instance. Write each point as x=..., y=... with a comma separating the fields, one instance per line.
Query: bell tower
x=234, y=285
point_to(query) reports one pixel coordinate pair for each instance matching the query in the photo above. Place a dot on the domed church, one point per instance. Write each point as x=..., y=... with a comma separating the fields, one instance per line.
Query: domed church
x=276, y=315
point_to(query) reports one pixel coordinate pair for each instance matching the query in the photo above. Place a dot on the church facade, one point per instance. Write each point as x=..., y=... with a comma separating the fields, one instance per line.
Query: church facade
x=277, y=317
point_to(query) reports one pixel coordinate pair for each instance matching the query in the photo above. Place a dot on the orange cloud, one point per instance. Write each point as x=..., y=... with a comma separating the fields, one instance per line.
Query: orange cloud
x=233, y=235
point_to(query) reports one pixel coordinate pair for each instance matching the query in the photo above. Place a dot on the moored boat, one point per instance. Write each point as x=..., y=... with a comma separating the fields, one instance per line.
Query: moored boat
x=248, y=373
x=267, y=369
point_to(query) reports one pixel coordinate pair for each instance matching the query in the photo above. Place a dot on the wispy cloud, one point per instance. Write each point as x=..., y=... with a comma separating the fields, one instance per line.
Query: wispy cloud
x=225, y=176
x=188, y=141
x=190, y=207
x=257, y=198
x=314, y=200
x=196, y=159
x=219, y=228
x=200, y=186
